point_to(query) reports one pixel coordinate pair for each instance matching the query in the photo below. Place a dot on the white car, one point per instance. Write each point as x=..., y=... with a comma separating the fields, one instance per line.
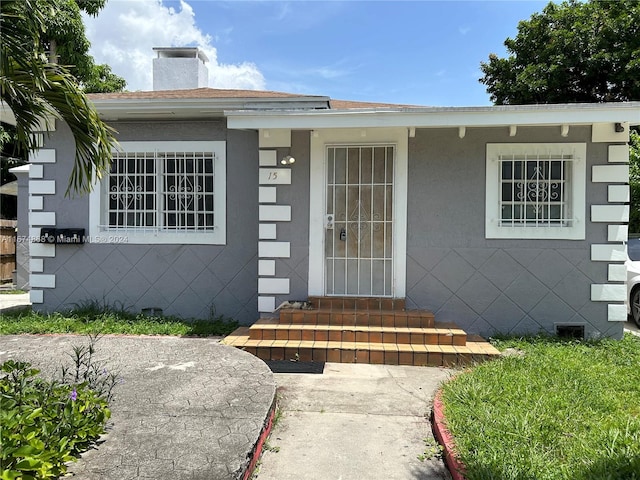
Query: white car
x=633, y=280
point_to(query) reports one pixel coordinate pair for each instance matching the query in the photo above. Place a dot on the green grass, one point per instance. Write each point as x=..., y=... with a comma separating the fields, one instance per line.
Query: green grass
x=94, y=318
x=11, y=292
x=563, y=410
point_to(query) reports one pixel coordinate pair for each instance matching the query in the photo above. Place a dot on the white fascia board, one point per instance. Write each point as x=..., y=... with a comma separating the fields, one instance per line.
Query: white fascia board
x=532, y=115
x=198, y=107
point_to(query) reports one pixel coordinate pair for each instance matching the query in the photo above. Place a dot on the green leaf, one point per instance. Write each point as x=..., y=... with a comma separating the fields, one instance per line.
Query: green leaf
x=28, y=464
x=10, y=474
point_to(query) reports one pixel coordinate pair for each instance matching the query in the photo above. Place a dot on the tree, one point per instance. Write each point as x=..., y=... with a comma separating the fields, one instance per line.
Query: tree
x=572, y=52
x=34, y=89
x=65, y=39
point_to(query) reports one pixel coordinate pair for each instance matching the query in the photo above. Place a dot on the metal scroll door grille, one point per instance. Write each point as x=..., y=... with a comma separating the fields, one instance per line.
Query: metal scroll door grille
x=359, y=233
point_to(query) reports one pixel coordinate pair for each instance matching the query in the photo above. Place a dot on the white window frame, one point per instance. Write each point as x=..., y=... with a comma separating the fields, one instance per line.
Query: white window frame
x=574, y=229
x=99, y=231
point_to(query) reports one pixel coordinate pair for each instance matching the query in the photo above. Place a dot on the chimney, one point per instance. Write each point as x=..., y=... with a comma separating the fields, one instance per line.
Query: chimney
x=179, y=68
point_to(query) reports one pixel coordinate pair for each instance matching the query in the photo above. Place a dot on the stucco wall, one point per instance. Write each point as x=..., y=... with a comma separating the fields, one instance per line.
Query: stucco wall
x=489, y=286
x=185, y=280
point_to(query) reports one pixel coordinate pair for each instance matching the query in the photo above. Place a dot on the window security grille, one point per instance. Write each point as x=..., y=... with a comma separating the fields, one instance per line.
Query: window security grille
x=535, y=190
x=166, y=191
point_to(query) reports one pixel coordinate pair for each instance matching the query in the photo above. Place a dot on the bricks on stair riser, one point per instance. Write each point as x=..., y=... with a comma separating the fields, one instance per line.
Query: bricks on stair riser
x=376, y=357
x=375, y=319
x=333, y=355
x=348, y=336
x=362, y=337
x=295, y=334
x=362, y=356
x=420, y=358
x=387, y=357
x=459, y=340
x=405, y=358
x=319, y=355
x=402, y=337
x=354, y=303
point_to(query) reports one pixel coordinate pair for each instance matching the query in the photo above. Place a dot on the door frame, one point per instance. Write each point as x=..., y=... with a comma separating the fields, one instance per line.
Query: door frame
x=320, y=139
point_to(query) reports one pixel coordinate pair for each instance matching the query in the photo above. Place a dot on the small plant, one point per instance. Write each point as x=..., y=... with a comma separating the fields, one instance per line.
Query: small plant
x=86, y=371
x=432, y=450
x=44, y=424
x=271, y=448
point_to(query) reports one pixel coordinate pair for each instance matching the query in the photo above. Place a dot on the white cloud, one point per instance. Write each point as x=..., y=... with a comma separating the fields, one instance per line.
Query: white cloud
x=125, y=31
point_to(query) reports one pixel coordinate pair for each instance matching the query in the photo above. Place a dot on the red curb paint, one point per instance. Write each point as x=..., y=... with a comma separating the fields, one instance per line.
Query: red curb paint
x=444, y=437
x=257, y=451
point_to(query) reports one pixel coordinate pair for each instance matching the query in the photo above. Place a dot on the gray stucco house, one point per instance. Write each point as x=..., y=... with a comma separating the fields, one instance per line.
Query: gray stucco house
x=500, y=219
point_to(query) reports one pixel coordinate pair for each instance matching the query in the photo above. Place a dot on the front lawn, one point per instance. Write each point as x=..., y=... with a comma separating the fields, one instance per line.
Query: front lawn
x=552, y=410
x=94, y=318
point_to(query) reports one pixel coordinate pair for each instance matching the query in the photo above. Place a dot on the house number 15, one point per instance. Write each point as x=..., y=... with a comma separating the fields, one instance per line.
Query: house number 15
x=275, y=176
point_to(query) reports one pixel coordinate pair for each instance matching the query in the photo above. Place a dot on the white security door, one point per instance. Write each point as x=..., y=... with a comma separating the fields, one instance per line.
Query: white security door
x=359, y=220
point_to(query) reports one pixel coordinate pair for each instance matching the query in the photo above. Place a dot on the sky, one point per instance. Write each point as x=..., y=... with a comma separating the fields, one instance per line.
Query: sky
x=404, y=52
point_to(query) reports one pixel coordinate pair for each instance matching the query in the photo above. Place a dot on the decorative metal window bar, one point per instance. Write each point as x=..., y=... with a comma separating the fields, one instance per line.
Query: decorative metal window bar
x=359, y=195
x=535, y=190
x=161, y=191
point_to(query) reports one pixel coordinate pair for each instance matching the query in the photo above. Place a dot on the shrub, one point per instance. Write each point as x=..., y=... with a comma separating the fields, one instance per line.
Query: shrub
x=46, y=423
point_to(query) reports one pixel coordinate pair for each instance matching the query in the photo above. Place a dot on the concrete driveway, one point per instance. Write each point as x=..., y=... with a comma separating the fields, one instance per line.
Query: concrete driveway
x=188, y=408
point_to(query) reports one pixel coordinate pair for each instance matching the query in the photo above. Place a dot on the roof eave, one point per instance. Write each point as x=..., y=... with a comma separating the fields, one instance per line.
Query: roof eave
x=432, y=117
x=127, y=108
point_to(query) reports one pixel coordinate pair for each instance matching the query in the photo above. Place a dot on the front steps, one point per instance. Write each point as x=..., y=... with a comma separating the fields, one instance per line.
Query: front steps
x=360, y=330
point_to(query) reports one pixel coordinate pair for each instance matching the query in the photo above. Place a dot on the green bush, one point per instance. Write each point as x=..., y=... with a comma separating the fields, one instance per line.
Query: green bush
x=45, y=424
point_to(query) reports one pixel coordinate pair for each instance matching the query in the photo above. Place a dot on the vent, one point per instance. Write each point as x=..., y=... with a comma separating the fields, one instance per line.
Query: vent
x=574, y=331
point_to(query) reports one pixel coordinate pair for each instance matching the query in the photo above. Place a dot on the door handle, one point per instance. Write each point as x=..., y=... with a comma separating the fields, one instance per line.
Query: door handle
x=343, y=234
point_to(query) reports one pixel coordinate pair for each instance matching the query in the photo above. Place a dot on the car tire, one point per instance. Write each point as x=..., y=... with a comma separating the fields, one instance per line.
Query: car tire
x=634, y=303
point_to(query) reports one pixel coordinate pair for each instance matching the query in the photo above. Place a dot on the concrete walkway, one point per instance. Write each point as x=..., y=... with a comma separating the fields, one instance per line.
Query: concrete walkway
x=354, y=422
x=188, y=408
x=14, y=301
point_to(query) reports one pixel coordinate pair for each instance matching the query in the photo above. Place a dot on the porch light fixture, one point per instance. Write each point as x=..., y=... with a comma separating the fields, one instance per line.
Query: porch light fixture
x=288, y=160
x=619, y=127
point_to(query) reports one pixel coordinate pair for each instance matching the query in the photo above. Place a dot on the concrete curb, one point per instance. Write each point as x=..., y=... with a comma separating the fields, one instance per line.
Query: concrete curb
x=254, y=457
x=444, y=437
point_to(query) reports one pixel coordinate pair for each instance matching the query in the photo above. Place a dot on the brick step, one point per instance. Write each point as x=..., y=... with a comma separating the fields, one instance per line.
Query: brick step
x=363, y=352
x=446, y=334
x=376, y=318
x=357, y=303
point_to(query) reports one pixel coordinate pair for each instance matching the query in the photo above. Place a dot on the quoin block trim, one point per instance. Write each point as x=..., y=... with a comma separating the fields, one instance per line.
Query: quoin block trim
x=617, y=172
x=269, y=178
x=618, y=153
x=610, y=173
x=616, y=312
x=606, y=292
x=38, y=187
x=610, y=213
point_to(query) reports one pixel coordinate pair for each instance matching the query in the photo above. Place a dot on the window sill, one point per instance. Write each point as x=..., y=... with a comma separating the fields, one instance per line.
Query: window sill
x=535, y=233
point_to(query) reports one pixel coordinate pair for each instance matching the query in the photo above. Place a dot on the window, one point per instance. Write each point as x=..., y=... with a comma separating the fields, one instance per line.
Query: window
x=162, y=192
x=536, y=191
